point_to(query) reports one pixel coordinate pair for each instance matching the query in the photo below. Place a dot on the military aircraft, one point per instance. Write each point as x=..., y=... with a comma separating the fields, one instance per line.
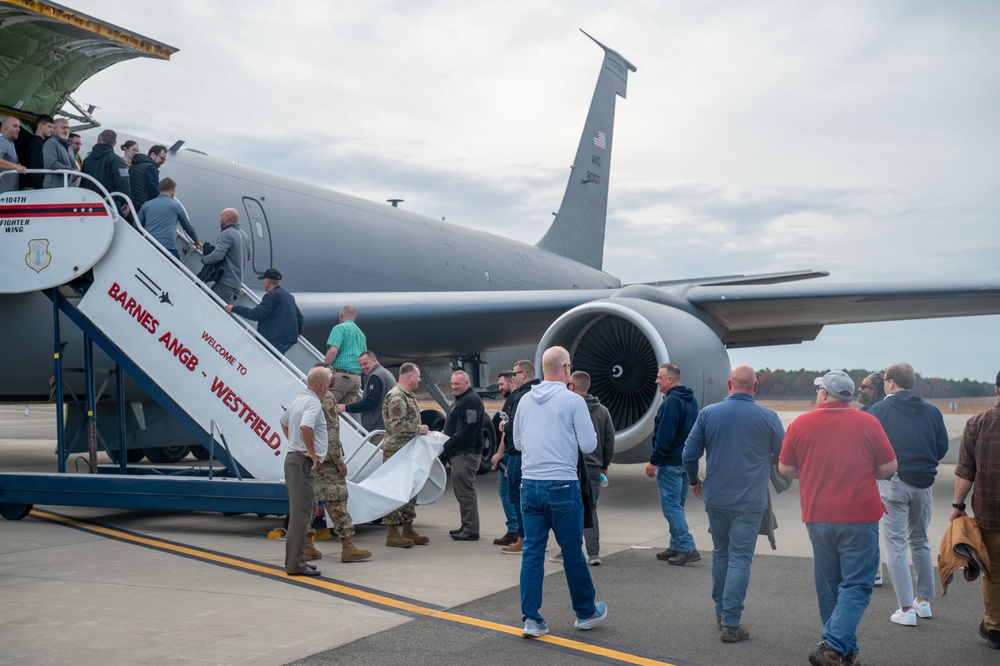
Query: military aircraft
x=440, y=293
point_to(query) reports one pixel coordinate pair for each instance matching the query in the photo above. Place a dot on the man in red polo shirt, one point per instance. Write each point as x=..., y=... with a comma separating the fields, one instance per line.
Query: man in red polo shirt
x=837, y=453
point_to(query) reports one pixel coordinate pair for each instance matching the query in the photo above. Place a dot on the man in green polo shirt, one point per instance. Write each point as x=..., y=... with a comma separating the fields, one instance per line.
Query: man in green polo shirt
x=345, y=344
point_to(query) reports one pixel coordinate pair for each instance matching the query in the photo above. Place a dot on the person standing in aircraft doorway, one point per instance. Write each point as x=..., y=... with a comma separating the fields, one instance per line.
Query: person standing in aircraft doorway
x=232, y=250
x=345, y=344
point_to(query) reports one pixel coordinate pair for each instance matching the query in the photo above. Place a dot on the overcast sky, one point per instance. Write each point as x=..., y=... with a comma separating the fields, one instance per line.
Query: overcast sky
x=853, y=137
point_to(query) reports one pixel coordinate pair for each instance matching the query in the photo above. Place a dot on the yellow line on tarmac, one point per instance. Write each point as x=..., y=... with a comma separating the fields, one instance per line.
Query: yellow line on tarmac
x=344, y=590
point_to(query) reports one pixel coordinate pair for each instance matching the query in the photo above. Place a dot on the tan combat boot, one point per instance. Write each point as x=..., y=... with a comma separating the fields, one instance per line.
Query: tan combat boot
x=394, y=540
x=412, y=535
x=351, y=553
x=514, y=548
x=311, y=553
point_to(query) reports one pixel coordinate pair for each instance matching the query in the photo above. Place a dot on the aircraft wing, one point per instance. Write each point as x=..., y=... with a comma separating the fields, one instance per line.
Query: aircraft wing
x=777, y=314
x=47, y=51
x=444, y=324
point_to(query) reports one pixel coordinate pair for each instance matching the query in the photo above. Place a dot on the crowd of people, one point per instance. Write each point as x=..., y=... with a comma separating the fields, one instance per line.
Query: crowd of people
x=861, y=473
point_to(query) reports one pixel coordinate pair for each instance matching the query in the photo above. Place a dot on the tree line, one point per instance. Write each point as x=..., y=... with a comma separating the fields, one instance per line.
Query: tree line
x=798, y=384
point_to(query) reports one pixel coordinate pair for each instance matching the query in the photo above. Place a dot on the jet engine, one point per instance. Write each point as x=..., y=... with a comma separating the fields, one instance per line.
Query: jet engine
x=621, y=342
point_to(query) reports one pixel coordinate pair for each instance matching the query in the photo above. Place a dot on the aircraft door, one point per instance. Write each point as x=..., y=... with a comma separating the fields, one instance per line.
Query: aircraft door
x=260, y=233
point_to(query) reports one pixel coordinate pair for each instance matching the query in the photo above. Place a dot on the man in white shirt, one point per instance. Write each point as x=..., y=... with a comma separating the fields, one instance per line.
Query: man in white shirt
x=305, y=427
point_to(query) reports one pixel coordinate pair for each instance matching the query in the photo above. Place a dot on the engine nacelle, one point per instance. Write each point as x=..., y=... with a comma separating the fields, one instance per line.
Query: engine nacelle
x=620, y=343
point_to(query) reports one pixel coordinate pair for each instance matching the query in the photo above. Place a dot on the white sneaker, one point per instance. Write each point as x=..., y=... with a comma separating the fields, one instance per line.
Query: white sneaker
x=905, y=618
x=923, y=609
x=594, y=561
x=878, y=579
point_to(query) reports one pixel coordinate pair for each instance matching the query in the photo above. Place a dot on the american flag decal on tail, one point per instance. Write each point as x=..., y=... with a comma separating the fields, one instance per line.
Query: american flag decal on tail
x=601, y=141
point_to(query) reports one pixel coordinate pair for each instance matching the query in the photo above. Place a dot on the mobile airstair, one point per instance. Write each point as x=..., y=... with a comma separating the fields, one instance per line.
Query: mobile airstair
x=208, y=369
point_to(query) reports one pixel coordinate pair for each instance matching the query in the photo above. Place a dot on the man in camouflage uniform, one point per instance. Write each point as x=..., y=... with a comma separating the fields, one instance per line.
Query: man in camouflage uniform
x=331, y=488
x=402, y=423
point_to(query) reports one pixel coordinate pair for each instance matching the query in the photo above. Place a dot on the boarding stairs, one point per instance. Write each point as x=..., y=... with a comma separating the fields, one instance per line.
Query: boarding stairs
x=150, y=313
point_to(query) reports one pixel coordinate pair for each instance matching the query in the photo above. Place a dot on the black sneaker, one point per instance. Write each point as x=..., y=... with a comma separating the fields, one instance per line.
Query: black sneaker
x=665, y=555
x=454, y=532
x=992, y=636
x=824, y=655
x=734, y=634
x=683, y=557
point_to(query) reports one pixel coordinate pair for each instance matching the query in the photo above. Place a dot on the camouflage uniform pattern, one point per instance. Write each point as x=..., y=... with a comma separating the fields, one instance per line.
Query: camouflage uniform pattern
x=402, y=423
x=330, y=488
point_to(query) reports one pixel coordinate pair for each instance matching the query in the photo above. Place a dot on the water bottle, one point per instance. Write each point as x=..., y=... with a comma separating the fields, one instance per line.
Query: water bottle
x=604, y=481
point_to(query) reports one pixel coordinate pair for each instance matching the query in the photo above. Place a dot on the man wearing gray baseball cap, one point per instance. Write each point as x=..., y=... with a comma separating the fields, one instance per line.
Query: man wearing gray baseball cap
x=837, y=453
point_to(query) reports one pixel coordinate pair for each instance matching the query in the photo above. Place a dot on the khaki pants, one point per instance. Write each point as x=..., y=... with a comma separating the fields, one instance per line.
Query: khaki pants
x=300, y=482
x=346, y=387
x=991, y=591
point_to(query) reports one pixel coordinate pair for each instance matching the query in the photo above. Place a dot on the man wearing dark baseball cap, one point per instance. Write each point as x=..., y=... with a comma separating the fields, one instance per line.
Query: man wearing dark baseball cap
x=278, y=318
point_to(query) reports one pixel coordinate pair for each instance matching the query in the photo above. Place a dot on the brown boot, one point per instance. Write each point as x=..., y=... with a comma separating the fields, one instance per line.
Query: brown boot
x=311, y=553
x=412, y=535
x=506, y=539
x=514, y=548
x=351, y=553
x=394, y=540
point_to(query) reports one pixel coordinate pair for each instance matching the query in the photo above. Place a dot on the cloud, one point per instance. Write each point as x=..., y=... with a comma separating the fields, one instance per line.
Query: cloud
x=858, y=138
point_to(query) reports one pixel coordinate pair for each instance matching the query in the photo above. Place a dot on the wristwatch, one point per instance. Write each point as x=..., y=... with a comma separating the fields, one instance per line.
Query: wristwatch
x=958, y=505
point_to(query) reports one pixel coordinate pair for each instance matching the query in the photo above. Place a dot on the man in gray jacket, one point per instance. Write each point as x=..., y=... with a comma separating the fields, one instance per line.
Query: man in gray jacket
x=598, y=460
x=232, y=250
x=57, y=154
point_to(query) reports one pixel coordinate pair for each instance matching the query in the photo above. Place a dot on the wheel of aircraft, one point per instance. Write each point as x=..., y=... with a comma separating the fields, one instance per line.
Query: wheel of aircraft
x=199, y=452
x=489, y=447
x=131, y=455
x=433, y=419
x=15, y=511
x=167, y=454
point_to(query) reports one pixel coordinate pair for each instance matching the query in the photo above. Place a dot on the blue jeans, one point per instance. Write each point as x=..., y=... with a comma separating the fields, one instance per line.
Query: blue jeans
x=514, y=490
x=504, y=491
x=672, y=483
x=556, y=506
x=845, y=558
x=734, y=538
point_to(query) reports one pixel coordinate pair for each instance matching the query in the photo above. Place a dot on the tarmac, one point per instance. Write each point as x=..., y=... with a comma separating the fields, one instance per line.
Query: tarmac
x=103, y=586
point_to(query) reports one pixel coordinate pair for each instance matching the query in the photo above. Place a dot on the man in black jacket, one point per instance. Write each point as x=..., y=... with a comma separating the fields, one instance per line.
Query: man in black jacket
x=144, y=175
x=376, y=382
x=107, y=168
x=524, y=378
x=463, y=450
x=31, y=152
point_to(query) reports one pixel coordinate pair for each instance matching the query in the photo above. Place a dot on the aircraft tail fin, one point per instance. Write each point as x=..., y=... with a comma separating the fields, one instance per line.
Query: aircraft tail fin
x=578, y=229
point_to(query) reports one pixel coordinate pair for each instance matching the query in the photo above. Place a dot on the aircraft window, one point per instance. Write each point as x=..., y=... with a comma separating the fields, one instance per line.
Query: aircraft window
x=487, y=276
x=259, y=226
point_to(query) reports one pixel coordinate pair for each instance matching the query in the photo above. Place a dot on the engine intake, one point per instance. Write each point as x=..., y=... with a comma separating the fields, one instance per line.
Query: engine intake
x=620, y=343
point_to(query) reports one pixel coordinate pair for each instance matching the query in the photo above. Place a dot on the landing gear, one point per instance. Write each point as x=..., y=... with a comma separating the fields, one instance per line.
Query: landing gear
x=489, y=447
x=15, y=511
x=167, y=454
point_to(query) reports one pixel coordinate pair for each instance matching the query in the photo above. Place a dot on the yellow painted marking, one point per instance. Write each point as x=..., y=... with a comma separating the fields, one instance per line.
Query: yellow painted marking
x=345, y=590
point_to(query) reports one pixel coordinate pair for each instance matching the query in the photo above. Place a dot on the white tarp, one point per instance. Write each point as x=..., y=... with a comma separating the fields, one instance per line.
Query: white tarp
x=397, y=480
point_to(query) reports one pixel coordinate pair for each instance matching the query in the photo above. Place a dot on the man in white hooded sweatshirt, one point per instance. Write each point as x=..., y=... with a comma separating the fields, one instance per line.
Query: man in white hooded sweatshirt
x=551, y=427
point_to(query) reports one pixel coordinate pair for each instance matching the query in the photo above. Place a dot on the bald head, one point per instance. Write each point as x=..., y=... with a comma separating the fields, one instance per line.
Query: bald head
x=229, y=216
x=743, y=379
x=555, y=365
x=10, y=127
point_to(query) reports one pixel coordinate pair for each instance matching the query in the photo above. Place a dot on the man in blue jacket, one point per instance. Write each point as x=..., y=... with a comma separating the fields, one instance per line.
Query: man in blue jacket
x=918, y=436
x=740, y=441
x=674, y=421
x=278, y=318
